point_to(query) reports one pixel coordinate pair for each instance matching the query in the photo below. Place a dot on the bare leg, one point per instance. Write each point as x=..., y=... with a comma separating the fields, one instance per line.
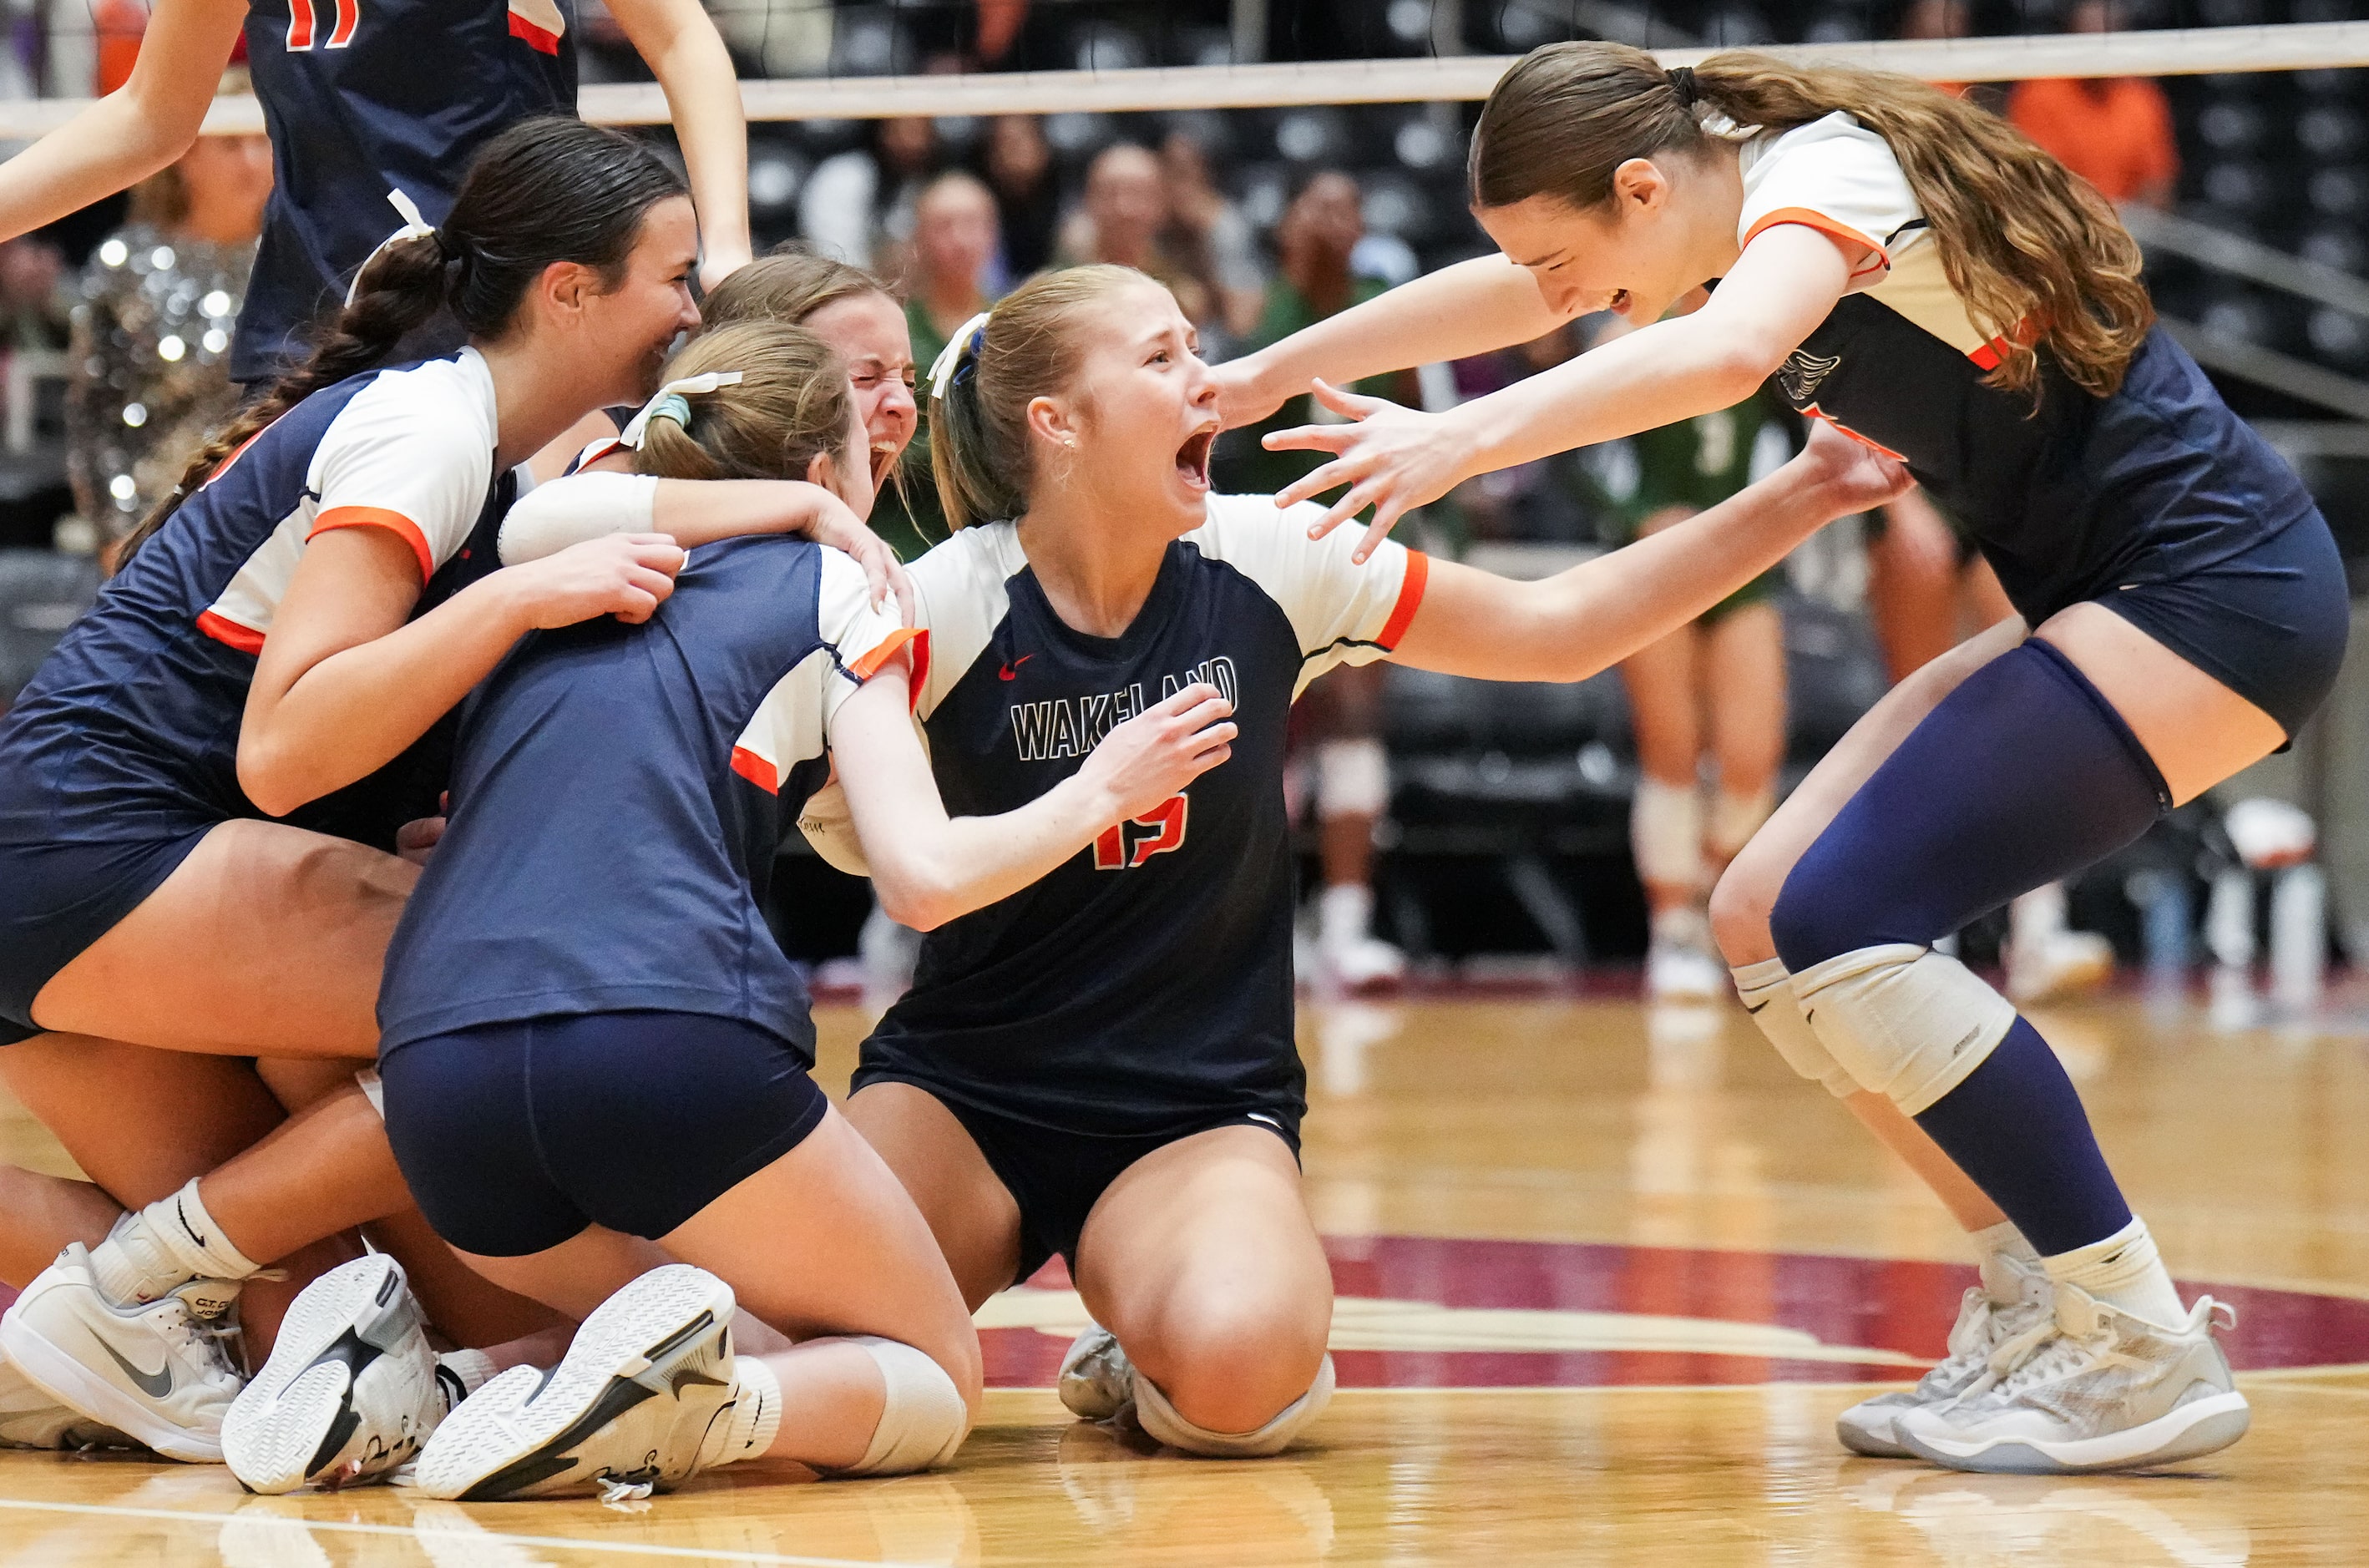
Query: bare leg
x=1912, y=589
x=1744, y=698
x=1202, y=1262
x=1660, y=679
x=40, y=1215
x=819, y=1243
x=266, y=940
x=975, y=1220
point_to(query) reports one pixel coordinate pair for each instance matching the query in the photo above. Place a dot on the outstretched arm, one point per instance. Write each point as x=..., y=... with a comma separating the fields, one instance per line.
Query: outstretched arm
x=134, y=131
x=687, y=55
x=927, y=867
x=1470, y=308
x=1394, y=460
x=605, y=499
x=1570, y=625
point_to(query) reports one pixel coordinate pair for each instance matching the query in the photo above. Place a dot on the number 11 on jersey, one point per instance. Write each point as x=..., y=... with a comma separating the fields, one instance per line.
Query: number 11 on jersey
x=303, y=24
x=1138, y=839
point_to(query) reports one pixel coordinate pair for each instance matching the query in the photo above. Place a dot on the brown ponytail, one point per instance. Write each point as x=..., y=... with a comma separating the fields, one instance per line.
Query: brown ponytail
x=790, y=405
x=1029, y=349
x=545, y=190
x=2036, y=254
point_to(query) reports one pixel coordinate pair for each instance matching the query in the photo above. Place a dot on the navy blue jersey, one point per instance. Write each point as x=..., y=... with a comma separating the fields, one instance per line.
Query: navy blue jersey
x=619, y=795
x=1146, y=985
x=361, y=96
x=133, y=720
x=2087, y=496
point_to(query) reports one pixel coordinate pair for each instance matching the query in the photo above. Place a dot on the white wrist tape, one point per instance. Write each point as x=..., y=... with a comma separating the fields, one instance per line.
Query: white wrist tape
x=1766, y=993
x=923, y=1420
x=1905, y=1021
x=1159, y=1418
x=1665, y=833
x=572, y=509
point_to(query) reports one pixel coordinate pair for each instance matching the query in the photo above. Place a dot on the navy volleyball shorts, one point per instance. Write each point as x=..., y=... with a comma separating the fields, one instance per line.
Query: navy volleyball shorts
x=515, y=1137
x=1057, y=1176
x=2269, y=623
x=57, y=899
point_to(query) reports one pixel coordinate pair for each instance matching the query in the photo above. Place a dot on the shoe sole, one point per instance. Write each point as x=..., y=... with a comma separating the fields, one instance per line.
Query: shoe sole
x=76, y=1386
x=2199, y=1427
x=1865, y=1442
x=509, y=1440
x=297, y=1415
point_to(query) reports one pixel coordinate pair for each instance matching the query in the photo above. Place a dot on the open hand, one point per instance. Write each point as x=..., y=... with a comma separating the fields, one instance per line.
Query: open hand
x=1392, y=459
x=1155, y=754
x=624, y=575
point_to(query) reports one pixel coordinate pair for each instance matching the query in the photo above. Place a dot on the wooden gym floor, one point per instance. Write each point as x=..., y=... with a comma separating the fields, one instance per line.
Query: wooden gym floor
x=1606, y=1278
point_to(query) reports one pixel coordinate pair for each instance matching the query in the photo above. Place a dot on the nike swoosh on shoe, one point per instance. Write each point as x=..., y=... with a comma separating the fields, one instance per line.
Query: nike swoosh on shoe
x=156, y=1385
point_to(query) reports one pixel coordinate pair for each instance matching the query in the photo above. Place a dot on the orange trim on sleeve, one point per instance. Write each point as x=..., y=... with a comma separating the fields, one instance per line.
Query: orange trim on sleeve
x=1811, y=218
x=889, y=647
x=1418, y=573
x=393, y=522
x=756, y=770
x=229, y=634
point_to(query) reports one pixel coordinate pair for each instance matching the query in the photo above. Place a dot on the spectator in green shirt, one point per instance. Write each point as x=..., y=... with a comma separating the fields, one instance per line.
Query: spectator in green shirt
x=956, y=237
x=1320, y=228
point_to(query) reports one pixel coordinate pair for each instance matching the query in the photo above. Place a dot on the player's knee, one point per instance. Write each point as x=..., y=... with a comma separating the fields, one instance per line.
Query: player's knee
x=1740, y=902
x=1815, y=916
x=1232, y=1365
x=925, y=1413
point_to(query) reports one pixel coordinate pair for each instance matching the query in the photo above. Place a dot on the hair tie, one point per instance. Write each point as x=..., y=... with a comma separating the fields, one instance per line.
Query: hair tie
x=1682, y=82
x=673, y=401
x=969, y=338
x=413, y=227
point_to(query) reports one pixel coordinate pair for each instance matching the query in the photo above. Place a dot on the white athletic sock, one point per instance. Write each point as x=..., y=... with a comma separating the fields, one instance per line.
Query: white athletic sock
x=472, y=1369
x=1344, y=913
x=2003, y=1239
x=2124, y=1271
x=164, y=1246
x=756, y=1411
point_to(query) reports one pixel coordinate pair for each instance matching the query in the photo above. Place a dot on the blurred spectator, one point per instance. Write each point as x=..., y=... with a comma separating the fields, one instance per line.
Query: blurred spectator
x=857, y=206
x=1314, y=240
x=2115, y=131
x=1709, y=699
x=1027, y=199
x=34, y=303
x=954, y=245
x=1337, y=730
x=152, y=330
x=1937, y=19
x=1124, y=220
x=1211, y=239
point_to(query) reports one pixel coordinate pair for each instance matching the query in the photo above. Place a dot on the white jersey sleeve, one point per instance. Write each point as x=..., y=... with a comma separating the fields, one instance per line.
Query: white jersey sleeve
x=1836, y=176
x=413, y=453
x=1341, y=612
x=859, y=639
x=959, y=593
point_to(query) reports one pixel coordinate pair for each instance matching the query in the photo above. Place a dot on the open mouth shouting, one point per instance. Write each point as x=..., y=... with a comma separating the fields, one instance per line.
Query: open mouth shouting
x=1193, y=458
x=884, y=463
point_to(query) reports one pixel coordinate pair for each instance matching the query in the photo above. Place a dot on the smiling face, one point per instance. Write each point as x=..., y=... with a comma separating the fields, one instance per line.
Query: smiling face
x=840, y=474
x=1635, y=257
x=632, y=323
x=868, y=331
x=1134, y=430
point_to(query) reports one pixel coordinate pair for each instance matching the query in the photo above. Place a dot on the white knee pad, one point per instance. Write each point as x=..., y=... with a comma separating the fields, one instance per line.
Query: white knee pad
x=1766, y=993
x=1665, y=833
x=923, y=1420
x=1736, y=818
x=1353, y=779
x=1159, y=1418
x=1906, y=1021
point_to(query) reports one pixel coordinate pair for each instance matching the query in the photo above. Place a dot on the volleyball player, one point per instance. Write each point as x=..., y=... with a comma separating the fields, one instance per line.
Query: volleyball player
x=1101, y=1066
x=150, y=898
x=363, y=98
x=1911, y=268
x=595, y=1054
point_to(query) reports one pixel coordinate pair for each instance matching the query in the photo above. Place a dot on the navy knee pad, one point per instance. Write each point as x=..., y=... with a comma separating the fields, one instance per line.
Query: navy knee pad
x=2024, y=774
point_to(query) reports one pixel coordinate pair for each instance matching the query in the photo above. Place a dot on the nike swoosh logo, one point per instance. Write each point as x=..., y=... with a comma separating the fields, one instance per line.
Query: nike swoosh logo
x=1010, y=671
x=1755, y=1011
x=156, y=1385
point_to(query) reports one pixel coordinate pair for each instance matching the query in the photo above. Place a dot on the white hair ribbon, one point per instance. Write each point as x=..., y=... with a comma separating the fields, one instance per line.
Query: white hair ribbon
x=672, y=402
x=942, y=370
x=413, y=227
